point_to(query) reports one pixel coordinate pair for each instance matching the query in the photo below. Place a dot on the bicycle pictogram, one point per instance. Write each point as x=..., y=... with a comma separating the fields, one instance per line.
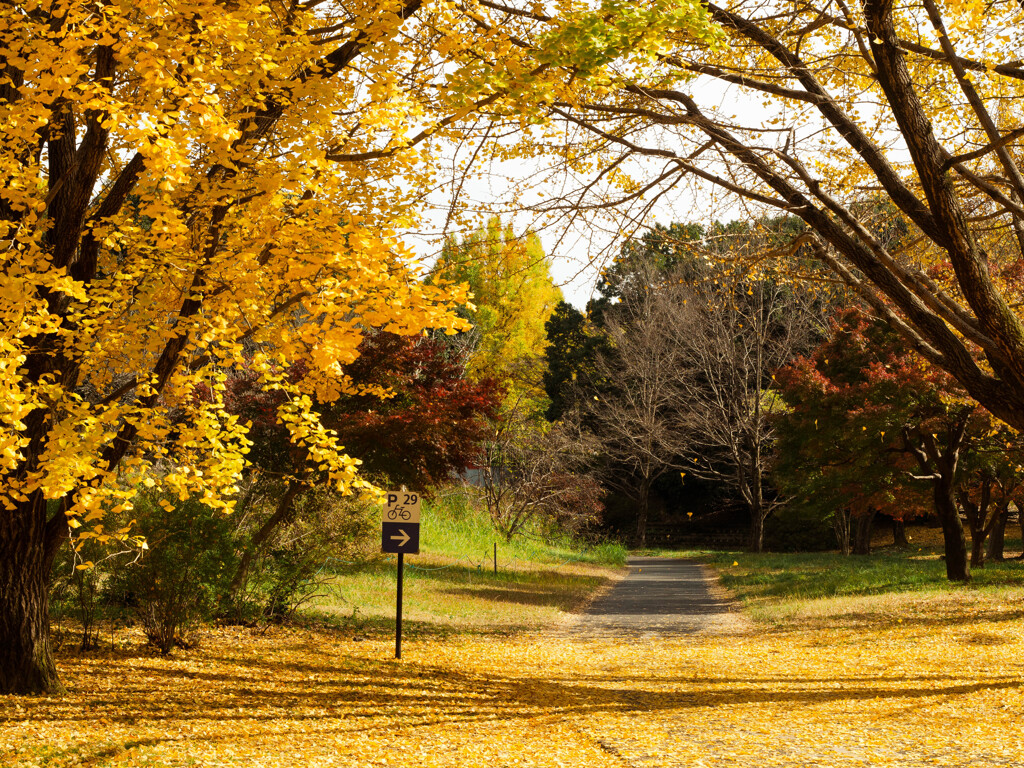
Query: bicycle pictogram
x=402, y=507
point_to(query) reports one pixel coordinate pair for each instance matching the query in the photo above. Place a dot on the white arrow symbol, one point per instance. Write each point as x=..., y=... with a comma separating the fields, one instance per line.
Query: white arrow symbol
x=403, y=539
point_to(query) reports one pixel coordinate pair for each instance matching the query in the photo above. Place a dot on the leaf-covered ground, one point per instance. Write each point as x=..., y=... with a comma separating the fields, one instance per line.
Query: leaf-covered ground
x=921, y=690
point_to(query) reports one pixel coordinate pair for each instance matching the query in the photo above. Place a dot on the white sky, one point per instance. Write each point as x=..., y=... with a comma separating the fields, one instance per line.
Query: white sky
x=578, y=252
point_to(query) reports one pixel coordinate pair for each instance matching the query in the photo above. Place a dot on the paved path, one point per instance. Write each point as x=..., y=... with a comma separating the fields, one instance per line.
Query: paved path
x=661, y=597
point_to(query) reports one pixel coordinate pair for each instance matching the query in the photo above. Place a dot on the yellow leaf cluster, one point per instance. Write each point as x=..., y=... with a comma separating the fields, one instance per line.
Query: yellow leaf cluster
x=248, y=169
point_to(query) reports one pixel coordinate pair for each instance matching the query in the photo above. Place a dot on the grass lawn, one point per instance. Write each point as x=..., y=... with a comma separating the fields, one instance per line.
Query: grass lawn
x=454, y=585
x=444, y=597
x=889, y=585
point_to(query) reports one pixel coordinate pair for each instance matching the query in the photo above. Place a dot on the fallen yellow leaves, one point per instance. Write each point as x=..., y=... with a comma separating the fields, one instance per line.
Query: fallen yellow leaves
x=914, y=694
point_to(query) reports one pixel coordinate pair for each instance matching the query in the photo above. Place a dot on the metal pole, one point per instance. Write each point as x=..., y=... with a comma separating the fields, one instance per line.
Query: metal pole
x=495, y=557
x=398, y=607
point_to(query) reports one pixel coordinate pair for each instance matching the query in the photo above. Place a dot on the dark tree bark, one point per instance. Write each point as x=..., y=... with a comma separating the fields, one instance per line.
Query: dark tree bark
x=26, y=663
x=977, y=552
x=957, y=568
x=899, y=534
x=642, y=512
x=862, y=536
x=997, y=538
x=841, y=526
x=983, y=517
x=939, y=465
x=1020, y=522
x=756, y=530
x=976, y=512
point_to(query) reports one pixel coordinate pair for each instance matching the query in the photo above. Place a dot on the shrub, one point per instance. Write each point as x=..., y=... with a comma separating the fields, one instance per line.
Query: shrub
x=297, y=559
x=179, y=580
x=80, y=570
x=75, y=592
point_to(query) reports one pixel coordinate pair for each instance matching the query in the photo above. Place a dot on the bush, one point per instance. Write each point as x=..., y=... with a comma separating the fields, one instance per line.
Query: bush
x=179, y=580
x=296, y=561
x=75, y=592
x=80, y=572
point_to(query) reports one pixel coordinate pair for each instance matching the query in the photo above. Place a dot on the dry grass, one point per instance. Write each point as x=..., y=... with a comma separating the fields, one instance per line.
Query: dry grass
x=444, y=596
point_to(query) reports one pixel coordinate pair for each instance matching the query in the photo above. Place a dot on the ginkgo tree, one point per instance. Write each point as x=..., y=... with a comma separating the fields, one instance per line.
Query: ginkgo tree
x=175, y=185
x=513, y=295
x=184, y=180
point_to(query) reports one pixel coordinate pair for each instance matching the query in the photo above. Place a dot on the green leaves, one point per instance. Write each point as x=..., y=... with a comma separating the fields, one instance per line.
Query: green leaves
x=591, y=40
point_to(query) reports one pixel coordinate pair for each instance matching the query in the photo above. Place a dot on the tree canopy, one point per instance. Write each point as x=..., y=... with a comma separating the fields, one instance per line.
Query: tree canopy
x=513, y=295
x=914, y=105
x=185, y=180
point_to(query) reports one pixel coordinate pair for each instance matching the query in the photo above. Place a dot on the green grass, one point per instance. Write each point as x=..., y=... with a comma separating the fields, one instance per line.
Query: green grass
x=452, y=586
x=780, y=589
x=454, y=525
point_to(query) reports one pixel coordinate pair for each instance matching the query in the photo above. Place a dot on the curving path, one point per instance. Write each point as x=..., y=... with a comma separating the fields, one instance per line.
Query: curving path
x=660, y=597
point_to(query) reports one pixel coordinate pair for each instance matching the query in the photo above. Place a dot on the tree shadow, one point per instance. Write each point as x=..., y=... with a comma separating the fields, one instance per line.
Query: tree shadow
x=336, y=694
x=539, y=596
x=258, y=688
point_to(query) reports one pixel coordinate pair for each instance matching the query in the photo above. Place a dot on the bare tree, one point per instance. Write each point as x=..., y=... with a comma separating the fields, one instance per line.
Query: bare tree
x=531, y=471
x=732, y=338
x=637, y=408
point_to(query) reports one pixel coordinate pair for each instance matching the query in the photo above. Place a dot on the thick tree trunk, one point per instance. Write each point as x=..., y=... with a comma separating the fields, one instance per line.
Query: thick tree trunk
x=862, y=536
x=997, y=539
x=957, y=568
x=977, y=552
x=939, y=463
x=899, y=534
x=28, y=544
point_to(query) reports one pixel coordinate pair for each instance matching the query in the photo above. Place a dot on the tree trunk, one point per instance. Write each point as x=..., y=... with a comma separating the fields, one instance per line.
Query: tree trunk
x=941, y=467
x=977, y=514
x=757, y=528
x=957, y=568
x=282, y=513
x=841, y=525
x=862, y=537
x=899, y=534
x=641, y=514
x=1020, y=522
x=28, y=544
x=997, y=539
x=977, y=551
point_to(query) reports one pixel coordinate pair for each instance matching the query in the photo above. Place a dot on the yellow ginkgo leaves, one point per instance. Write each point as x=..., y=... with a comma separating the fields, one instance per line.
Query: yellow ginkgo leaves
x=294, y=698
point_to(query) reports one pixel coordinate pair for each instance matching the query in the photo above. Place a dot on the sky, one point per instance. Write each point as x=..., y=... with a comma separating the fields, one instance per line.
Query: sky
x=578, y=249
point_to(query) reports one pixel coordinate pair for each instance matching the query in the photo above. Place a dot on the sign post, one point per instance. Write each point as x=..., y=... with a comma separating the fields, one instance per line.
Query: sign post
x=400, y=534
